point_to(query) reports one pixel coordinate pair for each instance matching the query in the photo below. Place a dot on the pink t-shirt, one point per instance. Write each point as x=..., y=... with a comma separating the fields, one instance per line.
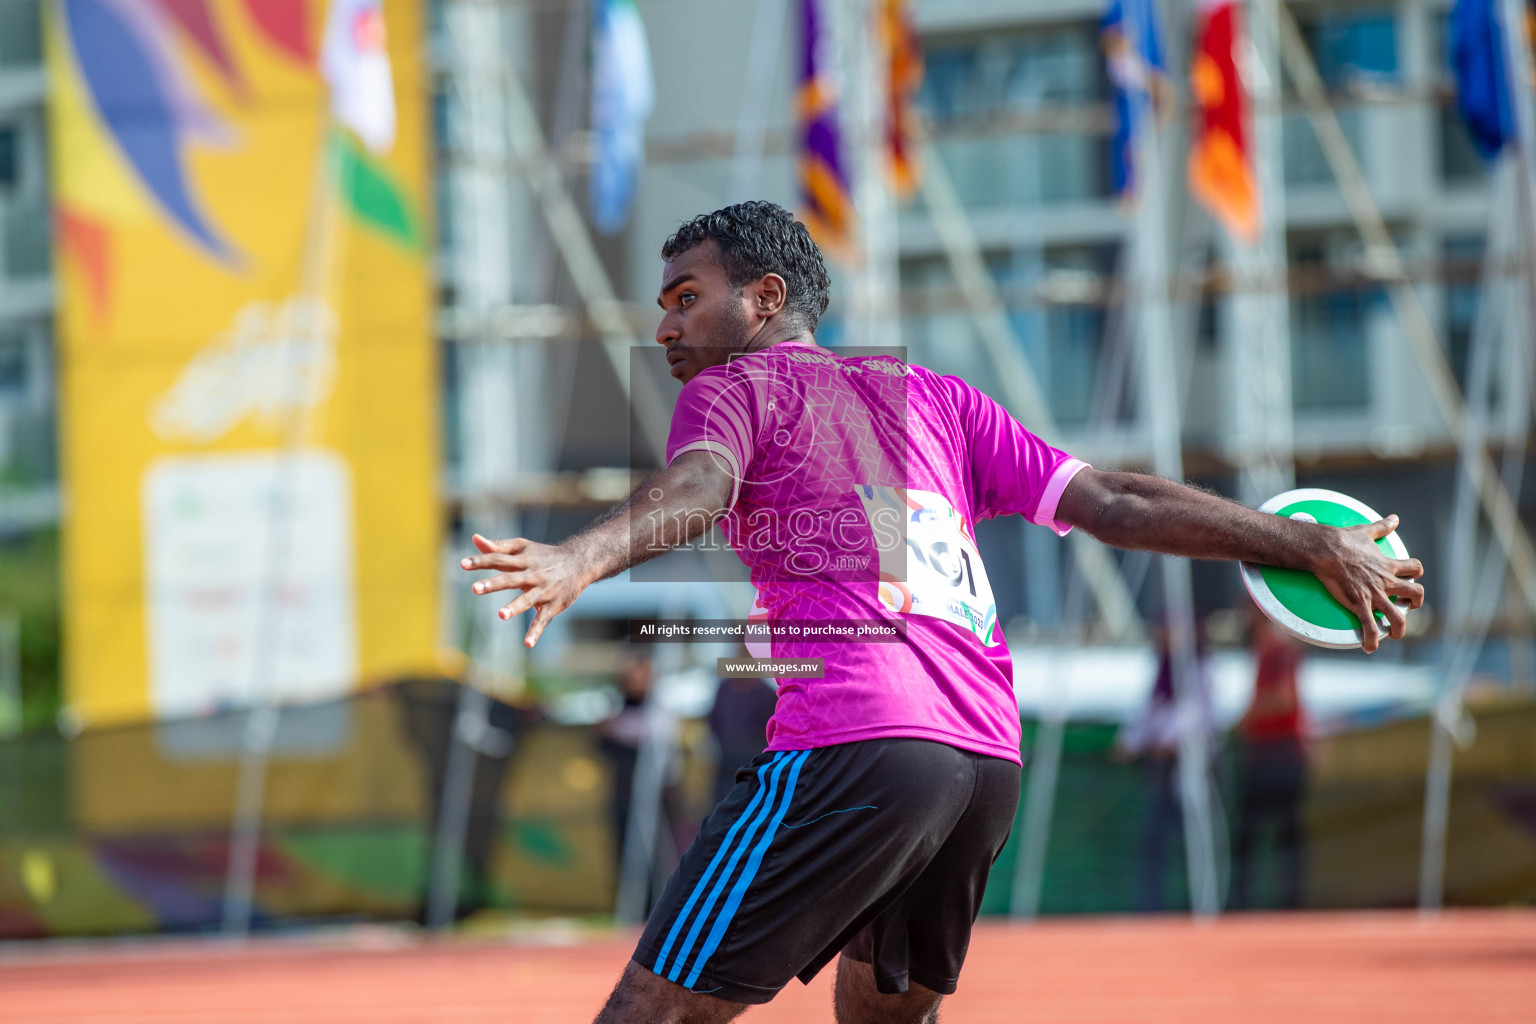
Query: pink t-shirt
x=858, y=484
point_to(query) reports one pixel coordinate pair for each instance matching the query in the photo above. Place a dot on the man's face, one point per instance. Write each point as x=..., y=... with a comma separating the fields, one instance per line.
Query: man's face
x=704, y=320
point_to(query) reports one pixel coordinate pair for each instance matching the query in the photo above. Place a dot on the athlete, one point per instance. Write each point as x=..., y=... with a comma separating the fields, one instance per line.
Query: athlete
x=850, y=487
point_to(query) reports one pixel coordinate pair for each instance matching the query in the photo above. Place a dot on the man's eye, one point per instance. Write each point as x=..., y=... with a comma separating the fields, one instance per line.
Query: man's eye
x=685, y=299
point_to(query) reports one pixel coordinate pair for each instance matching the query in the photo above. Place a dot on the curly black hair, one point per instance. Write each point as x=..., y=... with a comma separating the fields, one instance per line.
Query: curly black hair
x=758, y=238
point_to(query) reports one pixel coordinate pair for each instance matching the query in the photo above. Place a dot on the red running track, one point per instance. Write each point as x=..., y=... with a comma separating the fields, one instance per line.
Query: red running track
x=1467, y=966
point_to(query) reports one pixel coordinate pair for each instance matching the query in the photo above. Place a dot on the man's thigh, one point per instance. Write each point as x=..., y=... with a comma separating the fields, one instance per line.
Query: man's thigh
x=806, y=850
x=921, y=938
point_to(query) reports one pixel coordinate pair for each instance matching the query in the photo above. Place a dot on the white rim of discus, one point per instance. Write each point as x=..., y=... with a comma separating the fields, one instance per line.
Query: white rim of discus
x=1258, y=589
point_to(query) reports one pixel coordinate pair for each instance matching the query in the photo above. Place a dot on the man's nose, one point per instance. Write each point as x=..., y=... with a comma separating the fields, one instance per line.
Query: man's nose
x=667, y=331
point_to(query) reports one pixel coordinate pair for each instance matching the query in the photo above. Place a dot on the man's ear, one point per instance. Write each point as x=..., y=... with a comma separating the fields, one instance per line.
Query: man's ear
x=769, y=296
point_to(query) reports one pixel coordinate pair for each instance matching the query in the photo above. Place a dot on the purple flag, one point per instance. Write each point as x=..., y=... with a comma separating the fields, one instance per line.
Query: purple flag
x=826, y=205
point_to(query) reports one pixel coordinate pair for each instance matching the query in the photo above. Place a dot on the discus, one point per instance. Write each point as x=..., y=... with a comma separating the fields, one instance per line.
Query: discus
x=1296, y=600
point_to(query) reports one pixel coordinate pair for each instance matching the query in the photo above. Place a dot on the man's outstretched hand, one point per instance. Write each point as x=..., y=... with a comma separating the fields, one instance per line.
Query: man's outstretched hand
x=672, y=507
x=1364, y=580
x=550, y=576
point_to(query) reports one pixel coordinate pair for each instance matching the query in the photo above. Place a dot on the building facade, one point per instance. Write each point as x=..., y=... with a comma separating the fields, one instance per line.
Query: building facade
x=1015, y=99
x=28, y=453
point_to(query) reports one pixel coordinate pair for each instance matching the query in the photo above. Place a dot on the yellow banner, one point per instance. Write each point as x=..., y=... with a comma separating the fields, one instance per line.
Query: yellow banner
x=248, y=411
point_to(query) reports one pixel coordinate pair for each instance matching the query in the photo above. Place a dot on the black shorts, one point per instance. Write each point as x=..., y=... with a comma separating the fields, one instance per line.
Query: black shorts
x=878, y=849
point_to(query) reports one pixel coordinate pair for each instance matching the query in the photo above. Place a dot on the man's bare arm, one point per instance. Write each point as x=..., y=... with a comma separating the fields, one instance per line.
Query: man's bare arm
x=670, y=509
x=1132, y=510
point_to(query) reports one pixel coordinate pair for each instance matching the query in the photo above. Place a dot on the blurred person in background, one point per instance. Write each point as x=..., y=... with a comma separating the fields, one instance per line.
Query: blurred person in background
x=1273, y=767
x=1153, y=739
x=739, y=723
x=619, y=742
x=429, y=707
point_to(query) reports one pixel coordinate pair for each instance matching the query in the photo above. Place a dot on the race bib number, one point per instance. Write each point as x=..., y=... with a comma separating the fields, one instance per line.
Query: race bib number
x=928, y=563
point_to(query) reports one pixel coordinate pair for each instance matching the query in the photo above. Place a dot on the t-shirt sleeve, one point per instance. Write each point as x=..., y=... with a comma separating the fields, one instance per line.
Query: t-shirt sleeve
x=1013, y=472
x=714, y=414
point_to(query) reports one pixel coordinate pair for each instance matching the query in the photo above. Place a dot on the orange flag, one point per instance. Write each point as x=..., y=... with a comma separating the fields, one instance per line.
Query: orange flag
x=1220, y=162
x=905, y=77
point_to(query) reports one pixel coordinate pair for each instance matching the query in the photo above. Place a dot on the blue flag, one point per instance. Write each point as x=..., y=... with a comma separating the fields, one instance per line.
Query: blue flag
x=623, y=94
x=1137, y=75
x=1482, y=85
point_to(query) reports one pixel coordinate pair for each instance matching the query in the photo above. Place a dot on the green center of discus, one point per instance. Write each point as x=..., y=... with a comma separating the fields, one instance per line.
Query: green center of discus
x=1302, y=593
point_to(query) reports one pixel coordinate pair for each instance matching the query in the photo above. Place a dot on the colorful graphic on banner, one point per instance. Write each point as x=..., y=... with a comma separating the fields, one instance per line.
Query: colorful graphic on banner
x=249, y=428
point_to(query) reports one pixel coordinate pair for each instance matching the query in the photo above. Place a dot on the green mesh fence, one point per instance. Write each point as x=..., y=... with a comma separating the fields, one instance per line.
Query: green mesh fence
x=127, y=830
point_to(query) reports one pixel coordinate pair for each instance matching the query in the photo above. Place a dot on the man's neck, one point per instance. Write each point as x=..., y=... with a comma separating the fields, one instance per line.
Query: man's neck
x=772, y=334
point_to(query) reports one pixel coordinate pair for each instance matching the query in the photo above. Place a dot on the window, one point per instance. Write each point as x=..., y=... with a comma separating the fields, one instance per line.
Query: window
x=13, y=364
x=451, y=410
x=1075, y=331
x=936, y=326
x=1331, y=311
x=1208, y=324
x=1056, y=310
x=1305, y=163
x=10, y=158
x=1463, y=256
x=437, y=22
x=1353, y=48
x=24, y=212
x=443, y=179
x=972, y=85
x=25, y=230
x=20, y=33
x=1016, y=71
x=1459, y=161
x=1354, y=51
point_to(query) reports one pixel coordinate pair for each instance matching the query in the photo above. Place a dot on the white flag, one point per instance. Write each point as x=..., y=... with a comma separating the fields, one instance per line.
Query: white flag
x=355, y=63
x=623, y=94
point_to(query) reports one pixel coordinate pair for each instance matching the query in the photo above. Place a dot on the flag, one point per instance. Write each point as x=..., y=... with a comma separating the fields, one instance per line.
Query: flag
x=1220, y=162
x=827, y=207
x=623, y=95
x=905, y=64
x=373, y=194
x=1138, y=77
x=1482, y=85
x=354, y=60
x=355, y=64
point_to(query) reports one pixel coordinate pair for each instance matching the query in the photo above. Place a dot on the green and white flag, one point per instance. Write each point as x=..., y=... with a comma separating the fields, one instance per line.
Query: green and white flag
x=355, y=63
x=354, y=59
